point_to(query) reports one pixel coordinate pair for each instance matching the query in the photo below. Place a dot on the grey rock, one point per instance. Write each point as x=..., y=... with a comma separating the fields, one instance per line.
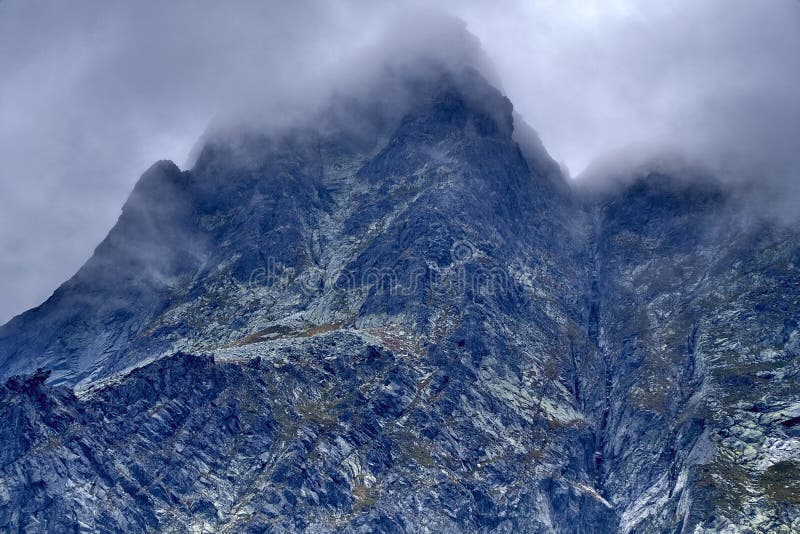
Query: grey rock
x=410, y=322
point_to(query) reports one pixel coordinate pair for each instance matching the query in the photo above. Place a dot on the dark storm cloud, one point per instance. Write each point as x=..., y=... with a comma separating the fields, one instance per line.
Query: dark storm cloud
x=91, y=92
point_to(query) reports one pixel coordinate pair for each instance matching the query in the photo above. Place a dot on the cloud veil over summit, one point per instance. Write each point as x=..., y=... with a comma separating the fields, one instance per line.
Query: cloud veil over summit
x=357, y=288
x=87, y=103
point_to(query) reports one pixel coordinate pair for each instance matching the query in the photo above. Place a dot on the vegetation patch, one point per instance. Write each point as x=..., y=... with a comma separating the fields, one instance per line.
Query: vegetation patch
x=321, y=413
x=365, y=496
x=781, y=482
x=282, y=332
x=421, y=454
x=727, y=481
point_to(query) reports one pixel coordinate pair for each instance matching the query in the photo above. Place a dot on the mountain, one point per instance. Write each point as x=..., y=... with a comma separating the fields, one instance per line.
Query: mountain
x=407, y=320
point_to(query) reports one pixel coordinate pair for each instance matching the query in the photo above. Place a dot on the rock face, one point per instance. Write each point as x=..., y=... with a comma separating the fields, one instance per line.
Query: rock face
x=409, y=322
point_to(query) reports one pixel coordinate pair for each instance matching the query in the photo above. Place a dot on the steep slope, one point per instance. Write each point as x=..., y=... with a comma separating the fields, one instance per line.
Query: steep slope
x=131, y=277
x=317, y=435
x=697, y=309
x=411, y=323
x=452, y=247
x=293, y=228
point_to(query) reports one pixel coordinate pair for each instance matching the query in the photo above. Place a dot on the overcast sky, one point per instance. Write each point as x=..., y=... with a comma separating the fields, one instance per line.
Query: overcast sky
x=92, y=92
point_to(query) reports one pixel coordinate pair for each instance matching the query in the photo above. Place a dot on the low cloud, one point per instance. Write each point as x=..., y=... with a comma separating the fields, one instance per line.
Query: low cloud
x=92, y=92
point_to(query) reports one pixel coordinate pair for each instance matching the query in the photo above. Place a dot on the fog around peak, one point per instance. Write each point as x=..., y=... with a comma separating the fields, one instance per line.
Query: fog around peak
x=381, y=73
x=93, y=92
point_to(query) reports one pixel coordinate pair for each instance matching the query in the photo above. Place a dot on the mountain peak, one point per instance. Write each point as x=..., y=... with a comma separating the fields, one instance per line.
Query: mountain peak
x=396, y=304
x=388, y=75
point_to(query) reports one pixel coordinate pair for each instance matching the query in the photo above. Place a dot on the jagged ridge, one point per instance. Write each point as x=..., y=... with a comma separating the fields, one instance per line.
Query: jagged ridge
x=542, y=362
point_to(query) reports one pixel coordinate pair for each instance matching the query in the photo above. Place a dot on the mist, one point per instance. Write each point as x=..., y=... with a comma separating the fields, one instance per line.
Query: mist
x=93, y=92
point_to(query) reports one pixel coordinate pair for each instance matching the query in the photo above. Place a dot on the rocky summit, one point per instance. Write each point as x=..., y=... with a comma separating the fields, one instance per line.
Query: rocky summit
x=410, y=321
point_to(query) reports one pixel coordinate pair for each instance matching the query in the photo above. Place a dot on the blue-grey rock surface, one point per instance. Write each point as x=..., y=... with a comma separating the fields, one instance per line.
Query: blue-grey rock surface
x=407, y=321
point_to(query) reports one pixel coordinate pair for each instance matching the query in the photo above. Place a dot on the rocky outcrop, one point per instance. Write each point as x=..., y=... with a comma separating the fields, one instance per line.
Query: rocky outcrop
x=418, y=329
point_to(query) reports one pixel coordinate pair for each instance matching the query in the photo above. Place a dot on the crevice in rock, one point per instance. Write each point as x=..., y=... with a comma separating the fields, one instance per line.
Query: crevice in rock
x=593, y=333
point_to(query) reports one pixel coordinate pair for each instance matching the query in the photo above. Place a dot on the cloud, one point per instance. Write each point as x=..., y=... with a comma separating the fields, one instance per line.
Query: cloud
x=92, y=92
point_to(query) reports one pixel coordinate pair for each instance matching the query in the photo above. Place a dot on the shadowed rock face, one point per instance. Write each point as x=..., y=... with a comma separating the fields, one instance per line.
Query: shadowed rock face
x=411, y=323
